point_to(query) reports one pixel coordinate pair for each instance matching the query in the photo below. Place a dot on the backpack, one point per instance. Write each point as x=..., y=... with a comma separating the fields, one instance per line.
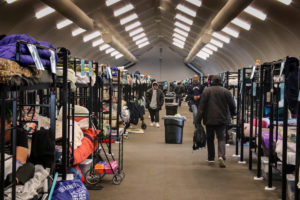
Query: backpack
x=199, y=140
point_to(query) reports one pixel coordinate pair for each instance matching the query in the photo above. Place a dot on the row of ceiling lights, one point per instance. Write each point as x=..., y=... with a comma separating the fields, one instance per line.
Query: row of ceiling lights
x=181, y=30
x=135, y=29
x=218, y=38
x=183, y=23
x=93, y=35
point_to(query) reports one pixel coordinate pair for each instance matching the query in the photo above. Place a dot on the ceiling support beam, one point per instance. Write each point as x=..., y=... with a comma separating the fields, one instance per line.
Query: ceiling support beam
x=231, y=10
x=71, y=11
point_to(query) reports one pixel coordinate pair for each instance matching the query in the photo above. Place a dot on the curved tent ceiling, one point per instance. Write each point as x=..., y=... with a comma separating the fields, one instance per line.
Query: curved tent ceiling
x=273, y=38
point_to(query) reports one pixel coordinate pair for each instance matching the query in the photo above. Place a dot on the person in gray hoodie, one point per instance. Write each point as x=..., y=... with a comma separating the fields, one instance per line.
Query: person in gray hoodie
x=215, y=107
x=154, y=103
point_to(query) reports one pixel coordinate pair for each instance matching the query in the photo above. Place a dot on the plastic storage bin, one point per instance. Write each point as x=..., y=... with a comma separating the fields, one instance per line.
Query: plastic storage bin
x=173, y=129
x=171, y=108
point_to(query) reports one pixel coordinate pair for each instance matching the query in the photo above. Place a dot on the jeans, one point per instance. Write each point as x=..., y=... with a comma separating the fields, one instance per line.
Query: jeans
x=220, y=132
x=178, y=100
x=195, y=111
x=154, y=114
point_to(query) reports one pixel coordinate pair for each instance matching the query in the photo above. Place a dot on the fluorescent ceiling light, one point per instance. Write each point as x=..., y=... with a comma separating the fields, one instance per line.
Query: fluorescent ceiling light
x=109, y=50
x=143, y=44
x=111, y=2
x=184, y=19
x=178, y=41
x=221, y=37
x=141, y=41
x=10, y=1
x=136, y=31
x=186, y=10
x=44, y=12
x=176, y=35
x=98, y=42
x=132, y=26
x=241, y=23
x=286, y=2
x=231, y=32
x=202, y=53
x=123, y=10
x=128, y=19
x=184, y=27
x=212, y=47
x=91, y=36
x=206, y=50
x=103, y=47
x=114, y=53
x=77, y=31
x=256, y=13
x=63, y=23
x=177, y=30
x=217, y=43
x=195, y=2
x=202, y=57
x=118, y=56
x=178, y=45
x=139, y=36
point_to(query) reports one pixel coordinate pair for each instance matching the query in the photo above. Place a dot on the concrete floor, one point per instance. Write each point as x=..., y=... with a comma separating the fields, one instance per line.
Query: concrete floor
x=158, y=171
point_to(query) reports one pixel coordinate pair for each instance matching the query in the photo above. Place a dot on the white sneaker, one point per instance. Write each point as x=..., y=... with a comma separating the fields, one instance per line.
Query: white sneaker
x=151, y=124
x=149, y=117
x=221, y=162
x=157, y=125
x=210, y=162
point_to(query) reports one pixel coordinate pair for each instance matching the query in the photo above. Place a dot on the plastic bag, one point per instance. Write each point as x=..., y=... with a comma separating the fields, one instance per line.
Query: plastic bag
x=199, y=140
x=70, y=190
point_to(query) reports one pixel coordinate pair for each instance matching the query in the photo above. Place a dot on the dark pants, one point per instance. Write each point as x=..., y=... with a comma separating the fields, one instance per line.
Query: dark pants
x=220, y=132
x=178, y=100
x=154, y=114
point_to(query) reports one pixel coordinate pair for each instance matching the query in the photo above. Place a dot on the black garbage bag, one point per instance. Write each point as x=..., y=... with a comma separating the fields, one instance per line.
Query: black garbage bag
x=199, y=140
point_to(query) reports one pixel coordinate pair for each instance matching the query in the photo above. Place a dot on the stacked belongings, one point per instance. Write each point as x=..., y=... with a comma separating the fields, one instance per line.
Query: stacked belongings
x=20, y=62
x=137, y=111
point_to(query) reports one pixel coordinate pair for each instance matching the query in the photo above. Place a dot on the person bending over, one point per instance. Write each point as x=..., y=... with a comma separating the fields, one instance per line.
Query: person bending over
x=154, y=103
x=194, y=92
x=215, y=106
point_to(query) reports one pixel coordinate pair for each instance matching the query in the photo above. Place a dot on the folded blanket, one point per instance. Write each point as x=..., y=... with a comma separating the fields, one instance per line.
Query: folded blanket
x=8, y=50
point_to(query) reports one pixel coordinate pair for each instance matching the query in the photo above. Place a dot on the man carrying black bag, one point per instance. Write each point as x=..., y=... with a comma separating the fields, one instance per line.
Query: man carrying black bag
x=216, y=104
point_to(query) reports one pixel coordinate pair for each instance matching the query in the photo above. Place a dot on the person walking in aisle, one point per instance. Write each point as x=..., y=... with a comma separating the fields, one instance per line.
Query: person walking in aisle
x=179, y=90
x=215, y=108
x=194, y=92
x=154, y=103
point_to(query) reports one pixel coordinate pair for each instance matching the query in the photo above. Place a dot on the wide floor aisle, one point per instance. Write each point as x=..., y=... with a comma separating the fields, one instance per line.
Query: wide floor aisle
x=158, y=171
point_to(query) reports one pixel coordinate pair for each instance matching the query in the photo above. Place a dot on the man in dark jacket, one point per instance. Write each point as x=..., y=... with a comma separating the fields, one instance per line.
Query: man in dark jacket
x=154, y=102
x=179, y=90
x=194, y=92
x=215, y=106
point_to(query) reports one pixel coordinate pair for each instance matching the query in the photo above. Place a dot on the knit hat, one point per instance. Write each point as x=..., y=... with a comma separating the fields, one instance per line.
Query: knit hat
x=216, y=80
x=154, y=83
